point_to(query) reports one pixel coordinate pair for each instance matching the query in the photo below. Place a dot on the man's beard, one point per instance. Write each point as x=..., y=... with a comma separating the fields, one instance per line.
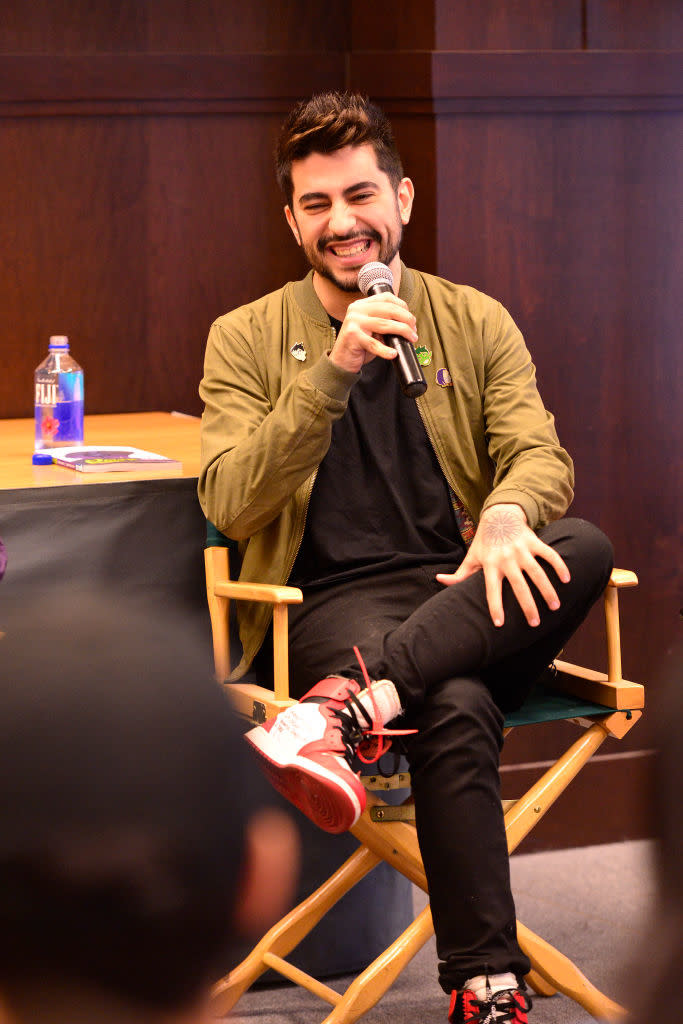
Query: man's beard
x=388, y=248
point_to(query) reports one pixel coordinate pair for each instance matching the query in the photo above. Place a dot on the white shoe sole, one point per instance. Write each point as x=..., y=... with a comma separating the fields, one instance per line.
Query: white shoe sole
x=322, y=795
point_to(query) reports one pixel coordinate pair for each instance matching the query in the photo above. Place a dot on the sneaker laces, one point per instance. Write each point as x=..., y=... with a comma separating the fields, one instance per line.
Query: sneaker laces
x=497, y=1008
x=356, y=734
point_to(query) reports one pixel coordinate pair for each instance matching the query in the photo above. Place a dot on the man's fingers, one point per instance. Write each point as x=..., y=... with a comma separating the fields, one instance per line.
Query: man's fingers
x=468, y=567
x=380, y=326
x=494, y=597
x=551, y=556
x=378, y=348
x=380, y=300
x=539, y=578
x=387, y=312
x=525, y=599
x=449, y=578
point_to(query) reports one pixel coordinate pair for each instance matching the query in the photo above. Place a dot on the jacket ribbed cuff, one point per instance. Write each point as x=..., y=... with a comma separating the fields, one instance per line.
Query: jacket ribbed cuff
x=331, y=379
x=513, y=497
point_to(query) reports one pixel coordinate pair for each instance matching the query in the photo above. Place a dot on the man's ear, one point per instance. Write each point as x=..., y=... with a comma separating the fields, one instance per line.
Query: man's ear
x=291, y=220
x=405, y=195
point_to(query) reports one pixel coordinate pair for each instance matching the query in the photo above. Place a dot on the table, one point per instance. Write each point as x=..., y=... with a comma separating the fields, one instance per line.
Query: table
x=172, y=434
x=143, y=529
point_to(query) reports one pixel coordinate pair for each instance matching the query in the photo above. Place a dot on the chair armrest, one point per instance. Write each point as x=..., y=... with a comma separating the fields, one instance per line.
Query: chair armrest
x=280, y=597
x=254, y=702
x=220, y=590
x=618, y=579
x=586, y=684
x=622, y=578
x=609, y=689
x=271, y=593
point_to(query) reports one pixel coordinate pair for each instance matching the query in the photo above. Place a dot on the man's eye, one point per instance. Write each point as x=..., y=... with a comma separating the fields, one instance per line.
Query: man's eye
x=314, y=207
x=362, y=196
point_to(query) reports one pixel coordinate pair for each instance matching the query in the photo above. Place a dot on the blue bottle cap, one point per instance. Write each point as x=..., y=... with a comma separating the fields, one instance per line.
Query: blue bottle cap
x=41, y=459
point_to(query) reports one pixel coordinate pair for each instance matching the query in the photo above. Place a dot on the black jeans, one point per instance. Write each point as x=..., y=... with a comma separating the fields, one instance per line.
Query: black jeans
x=456, y=674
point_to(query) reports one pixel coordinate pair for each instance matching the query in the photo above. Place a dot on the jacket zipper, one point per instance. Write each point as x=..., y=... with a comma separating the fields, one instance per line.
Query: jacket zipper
x=452, y=488
x=303, y=528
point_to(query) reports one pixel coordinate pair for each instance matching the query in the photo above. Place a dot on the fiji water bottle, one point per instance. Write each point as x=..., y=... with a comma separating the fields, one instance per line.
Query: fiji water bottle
x=58, y=397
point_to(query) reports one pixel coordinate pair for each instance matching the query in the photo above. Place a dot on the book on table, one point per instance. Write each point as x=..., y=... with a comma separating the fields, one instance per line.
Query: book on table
x=109, y=458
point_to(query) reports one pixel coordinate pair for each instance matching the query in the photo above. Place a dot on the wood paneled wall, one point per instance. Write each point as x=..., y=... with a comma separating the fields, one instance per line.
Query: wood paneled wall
x=138, y=203
x=136, y=174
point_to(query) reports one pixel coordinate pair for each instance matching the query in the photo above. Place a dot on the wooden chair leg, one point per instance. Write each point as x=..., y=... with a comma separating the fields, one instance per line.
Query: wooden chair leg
x=539, y=798
x=369, y=987
x=558, y=971
x=539, y=985
x=289, y=932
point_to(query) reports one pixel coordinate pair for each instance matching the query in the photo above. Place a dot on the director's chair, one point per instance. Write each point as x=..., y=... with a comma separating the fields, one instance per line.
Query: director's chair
x=600, y=704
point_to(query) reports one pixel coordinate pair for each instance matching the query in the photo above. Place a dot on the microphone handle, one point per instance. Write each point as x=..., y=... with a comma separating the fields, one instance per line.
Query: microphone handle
x=413, y=383
x=410, y=375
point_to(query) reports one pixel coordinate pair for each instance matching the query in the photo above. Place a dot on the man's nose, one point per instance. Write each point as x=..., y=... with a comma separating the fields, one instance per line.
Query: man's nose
x=342, y=219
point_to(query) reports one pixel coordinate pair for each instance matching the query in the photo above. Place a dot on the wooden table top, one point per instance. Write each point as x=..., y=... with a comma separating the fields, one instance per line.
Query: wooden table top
x=172, y=434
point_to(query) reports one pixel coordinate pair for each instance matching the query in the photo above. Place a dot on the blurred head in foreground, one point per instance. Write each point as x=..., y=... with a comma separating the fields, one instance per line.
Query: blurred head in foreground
x=137, y=847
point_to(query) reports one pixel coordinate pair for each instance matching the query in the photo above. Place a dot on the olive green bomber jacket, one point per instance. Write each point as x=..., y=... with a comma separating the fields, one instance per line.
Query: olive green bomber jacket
x=268, y=419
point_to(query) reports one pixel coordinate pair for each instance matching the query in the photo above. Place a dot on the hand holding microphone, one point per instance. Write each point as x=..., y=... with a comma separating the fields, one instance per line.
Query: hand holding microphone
x=370, y=329
x=373, y=279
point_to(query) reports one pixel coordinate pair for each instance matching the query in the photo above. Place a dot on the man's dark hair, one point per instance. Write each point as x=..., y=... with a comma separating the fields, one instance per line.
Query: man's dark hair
x=125, y=788
x=328, y=122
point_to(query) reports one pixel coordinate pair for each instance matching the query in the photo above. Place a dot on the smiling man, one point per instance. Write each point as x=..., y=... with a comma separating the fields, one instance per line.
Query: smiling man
x=427, y=533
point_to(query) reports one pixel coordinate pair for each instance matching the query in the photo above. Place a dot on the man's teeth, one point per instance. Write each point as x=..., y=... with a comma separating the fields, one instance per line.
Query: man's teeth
x=351, y=250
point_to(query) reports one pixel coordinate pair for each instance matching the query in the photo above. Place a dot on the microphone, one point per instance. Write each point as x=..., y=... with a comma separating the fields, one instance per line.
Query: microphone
x=374, y=278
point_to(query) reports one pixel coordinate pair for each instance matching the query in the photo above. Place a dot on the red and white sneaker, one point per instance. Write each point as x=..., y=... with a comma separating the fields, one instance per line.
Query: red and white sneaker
x=509, y=1006
x=307, y=750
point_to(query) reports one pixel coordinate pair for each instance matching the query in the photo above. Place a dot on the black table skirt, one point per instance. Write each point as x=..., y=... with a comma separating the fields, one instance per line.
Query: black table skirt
x=147, y=537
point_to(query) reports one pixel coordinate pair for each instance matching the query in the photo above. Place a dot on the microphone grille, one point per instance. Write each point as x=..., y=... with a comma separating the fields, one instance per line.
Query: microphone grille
x=374, y=273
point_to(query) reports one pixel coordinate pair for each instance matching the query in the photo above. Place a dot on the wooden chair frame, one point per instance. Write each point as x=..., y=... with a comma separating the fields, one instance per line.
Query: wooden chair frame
x=386, y=832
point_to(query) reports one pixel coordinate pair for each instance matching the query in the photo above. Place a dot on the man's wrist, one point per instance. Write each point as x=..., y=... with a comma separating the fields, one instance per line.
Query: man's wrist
x=344, y=362
x=504, y=509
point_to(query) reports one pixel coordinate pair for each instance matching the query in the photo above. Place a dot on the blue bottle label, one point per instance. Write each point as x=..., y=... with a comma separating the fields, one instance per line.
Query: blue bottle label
x=59, y=409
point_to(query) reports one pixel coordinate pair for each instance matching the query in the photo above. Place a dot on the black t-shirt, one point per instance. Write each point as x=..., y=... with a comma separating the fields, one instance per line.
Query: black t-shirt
x=380, y=501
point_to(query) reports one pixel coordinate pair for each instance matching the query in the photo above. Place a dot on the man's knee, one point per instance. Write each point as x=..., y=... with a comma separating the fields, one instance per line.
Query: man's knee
x=593, y=542
x=581, y=543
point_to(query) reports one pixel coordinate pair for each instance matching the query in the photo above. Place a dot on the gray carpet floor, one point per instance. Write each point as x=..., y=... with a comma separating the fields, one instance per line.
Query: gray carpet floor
x=591, y=903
